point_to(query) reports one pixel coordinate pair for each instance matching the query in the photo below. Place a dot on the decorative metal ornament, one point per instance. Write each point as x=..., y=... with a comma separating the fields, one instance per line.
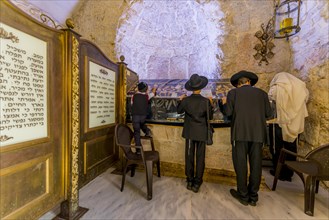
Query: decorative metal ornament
x=264, y=48
x=46, y=19
x=69, y=23
x=8, y=35
x=286, y=17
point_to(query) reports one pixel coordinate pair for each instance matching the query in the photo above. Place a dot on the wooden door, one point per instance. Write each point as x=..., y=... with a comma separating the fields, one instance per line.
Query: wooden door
x=99, y=79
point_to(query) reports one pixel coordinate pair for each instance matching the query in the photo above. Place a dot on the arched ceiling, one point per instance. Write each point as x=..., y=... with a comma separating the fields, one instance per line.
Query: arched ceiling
x=57, y=9
x=172, y=39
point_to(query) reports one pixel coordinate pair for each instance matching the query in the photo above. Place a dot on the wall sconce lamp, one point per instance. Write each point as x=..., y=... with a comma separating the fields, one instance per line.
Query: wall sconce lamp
x=284, y=24
x=286, y=17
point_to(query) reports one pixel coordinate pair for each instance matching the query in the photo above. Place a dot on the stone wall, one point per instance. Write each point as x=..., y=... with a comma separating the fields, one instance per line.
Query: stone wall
x=311, y=63
x=97, y=21
x=171, y=146
x=305, y=55
x=243, y=19
x=101, y=21
x=310, y=50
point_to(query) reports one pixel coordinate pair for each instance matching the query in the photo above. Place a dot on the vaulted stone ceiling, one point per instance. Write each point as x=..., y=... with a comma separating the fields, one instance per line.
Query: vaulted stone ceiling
x=58, y=9
x=172, y=39
x=305, y=55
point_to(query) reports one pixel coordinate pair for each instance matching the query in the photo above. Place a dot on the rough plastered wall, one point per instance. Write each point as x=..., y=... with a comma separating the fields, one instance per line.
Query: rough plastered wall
x=97, y=21
x=171, y=146
x=118, y=25
x=311, y=63
x=243, y=19
x=111, y=24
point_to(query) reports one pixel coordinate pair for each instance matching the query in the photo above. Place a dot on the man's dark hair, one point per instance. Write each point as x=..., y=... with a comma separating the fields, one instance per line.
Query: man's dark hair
x=243, y=80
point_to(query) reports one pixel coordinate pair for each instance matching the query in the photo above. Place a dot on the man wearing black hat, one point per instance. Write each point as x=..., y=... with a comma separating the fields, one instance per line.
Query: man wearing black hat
x=139, y=103
x=195, y=129
x=248, y=108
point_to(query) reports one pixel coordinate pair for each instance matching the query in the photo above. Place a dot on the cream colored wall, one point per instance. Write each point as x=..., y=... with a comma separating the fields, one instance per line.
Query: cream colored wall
x=98, y=21
x=304, y=55
x=311, y=63
x=171, y=146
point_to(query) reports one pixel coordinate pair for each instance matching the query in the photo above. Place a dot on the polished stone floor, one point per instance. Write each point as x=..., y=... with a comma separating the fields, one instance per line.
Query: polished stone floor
x=171, y=200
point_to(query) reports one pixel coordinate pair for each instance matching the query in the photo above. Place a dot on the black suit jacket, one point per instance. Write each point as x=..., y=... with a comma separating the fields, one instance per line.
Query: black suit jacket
x=195, y=120
x=248, y=107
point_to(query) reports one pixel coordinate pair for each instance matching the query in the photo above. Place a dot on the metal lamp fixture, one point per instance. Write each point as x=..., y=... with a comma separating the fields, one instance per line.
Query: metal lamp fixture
x=283, y=24
x=286, y=18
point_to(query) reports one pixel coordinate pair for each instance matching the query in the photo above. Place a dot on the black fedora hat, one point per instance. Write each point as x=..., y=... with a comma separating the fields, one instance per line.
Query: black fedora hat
x=196, y=82
x=243, y=73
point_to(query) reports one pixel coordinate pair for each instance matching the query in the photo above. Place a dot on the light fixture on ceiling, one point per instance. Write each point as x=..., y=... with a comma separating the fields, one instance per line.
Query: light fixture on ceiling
x=286, y=18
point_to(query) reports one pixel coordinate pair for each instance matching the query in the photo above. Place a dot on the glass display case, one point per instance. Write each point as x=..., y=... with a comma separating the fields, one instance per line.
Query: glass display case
x=163, y=107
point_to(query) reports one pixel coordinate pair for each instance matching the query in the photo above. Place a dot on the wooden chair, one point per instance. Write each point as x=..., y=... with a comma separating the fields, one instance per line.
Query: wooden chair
x=315, y=167
x=123, y=138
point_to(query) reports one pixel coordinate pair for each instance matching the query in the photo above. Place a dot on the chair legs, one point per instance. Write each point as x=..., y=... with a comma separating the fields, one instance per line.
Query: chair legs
x=301, y=177
x=124, y=171
x=317, y=186
x=310, y=187
x=132, y=171
x=276, y=177
x=279, y=165
x=149, y=175
x=158, y=168
x=309, y=195
x=149, y=178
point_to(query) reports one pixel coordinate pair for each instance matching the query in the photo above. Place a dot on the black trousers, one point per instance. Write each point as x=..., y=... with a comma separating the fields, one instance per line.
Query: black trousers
x=138, y=125
x=195, y=150
x=276, y=147
x=242, y=152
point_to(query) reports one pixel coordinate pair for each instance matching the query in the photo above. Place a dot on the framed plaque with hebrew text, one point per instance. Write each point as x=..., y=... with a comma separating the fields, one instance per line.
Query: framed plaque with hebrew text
x=23, y=87
x=101, y=95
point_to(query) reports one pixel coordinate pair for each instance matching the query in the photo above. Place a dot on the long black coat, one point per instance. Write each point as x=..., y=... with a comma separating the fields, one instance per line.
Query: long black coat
x=195, y=120
x=248, y=107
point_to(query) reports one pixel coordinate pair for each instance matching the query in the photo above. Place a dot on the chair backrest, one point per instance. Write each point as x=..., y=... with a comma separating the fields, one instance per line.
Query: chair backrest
x=123, y=137
x=321, y=156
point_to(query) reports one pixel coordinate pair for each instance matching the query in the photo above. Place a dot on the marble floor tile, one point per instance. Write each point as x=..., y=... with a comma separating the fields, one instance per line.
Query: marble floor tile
x=171, y=200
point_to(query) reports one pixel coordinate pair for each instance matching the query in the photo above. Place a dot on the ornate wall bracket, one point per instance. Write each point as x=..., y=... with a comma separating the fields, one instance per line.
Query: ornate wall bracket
x=46, y=19
x=37, y=13
x=264, y=48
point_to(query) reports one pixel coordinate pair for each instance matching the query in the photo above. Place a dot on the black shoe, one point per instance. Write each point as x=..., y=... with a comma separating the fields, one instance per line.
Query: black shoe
x=189, y=185
x=149, y=134
x=195, y=188
x=235, y=194
x=282, y=178
x=252, y=203
x=272, y=172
